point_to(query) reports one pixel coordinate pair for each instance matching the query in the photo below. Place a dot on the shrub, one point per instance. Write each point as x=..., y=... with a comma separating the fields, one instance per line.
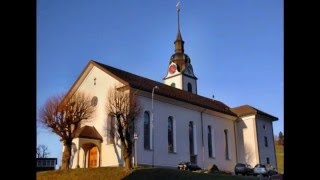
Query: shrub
x=213, y=168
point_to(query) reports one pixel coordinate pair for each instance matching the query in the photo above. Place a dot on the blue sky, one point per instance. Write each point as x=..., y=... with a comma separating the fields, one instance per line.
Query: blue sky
x=236, y=47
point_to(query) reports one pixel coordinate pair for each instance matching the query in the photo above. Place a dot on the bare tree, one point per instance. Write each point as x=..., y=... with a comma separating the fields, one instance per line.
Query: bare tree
x=63, y=115
x=124, y=107
x=42, y=151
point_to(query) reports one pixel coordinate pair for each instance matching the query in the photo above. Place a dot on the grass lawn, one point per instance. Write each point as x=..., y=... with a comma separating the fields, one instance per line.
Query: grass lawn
x=279, y=155
x=144, y=173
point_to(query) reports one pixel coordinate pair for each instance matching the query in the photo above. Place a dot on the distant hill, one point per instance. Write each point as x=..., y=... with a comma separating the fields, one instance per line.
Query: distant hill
x=279, y=156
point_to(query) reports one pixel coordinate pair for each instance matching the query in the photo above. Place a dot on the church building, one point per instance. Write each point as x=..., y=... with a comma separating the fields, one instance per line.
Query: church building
x=175, y=124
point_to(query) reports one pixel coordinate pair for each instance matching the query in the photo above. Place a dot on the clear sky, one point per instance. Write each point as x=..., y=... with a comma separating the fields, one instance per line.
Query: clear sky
x=236, y=47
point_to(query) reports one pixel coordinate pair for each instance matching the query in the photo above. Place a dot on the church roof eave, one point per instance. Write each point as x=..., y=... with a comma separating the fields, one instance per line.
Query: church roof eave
x=146, y=84
x=246, y=110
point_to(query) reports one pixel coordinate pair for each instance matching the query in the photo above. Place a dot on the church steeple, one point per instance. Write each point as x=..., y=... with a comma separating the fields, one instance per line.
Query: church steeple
x=179, y=43
x=180, y=72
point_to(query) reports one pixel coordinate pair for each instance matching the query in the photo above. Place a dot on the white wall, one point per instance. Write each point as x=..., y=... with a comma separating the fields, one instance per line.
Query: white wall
x=266, y=152
x=192, y=81
x=177, y=79
x=182, y=116
x=247, y=140
x=218, y=125
x=111, y=155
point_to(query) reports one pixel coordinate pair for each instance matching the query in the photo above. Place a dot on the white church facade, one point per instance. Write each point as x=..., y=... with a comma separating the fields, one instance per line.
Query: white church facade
x=175, y=124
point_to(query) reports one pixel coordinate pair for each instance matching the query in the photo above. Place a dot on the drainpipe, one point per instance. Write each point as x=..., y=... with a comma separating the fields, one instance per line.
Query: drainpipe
x=202, y=139
x=235, y=138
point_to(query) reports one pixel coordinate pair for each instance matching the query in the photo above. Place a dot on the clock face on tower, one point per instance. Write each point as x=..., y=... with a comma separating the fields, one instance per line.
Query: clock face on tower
x=172, y=68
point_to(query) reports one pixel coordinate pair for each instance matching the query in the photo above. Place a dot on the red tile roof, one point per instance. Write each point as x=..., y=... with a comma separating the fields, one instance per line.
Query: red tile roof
x=89, y=132
x=145, y=84
x=249, y=110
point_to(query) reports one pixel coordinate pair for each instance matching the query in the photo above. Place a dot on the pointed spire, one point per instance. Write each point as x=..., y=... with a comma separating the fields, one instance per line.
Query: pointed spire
x=179, y=42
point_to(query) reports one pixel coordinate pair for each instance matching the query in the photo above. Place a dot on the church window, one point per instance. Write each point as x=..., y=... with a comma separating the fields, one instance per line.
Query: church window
x=265, y=141
x=227, y=146
x=173, y=84
x=268, y=160
x=146, y=131
x=191, y=138
x=211, y=149
x=189, y=87
x=192, y=143
x=171, y=147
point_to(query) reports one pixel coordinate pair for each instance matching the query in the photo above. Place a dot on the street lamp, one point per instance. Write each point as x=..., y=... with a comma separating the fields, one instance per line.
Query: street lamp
x=135, y=137
x=153, y=149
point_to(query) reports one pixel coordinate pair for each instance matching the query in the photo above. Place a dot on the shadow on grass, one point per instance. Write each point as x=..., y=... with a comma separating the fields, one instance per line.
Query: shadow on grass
x=172, y=174
x=115, y=173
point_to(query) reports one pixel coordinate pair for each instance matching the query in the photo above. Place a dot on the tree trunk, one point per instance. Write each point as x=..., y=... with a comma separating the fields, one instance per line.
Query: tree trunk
x=127, y=159
x=128, y=149
x=66, y=156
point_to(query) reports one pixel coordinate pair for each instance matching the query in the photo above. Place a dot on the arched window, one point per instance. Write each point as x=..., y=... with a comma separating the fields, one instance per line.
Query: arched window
x=173, y=84
x=192, y=143
x=209, y=141
x=189, y=87
x=227, y=148
x=146, y=130
x=191, y=138
x=170, y=134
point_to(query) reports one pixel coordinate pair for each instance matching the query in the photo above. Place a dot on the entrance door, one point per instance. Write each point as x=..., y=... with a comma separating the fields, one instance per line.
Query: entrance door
x=93, y=157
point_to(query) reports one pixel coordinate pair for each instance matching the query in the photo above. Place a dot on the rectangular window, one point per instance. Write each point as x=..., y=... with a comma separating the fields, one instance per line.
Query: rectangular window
x=170, y=135
x=268, y=161
x=227, y=148
x=265, y=141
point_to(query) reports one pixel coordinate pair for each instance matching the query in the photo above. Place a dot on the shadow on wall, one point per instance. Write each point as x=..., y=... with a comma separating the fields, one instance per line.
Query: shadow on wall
x=117, y=145
x=112, y=138
x=249, y=154
x=244, y=150
x=73, y=153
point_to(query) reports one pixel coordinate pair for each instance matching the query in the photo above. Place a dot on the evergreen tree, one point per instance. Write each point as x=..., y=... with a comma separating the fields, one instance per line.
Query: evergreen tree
x=281, y=138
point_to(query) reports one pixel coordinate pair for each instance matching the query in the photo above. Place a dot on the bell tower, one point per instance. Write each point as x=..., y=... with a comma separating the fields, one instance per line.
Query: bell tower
x=180, y=72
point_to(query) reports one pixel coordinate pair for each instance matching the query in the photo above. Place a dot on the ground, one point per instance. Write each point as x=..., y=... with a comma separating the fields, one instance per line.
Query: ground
x=279, y=156
x=144, y=173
